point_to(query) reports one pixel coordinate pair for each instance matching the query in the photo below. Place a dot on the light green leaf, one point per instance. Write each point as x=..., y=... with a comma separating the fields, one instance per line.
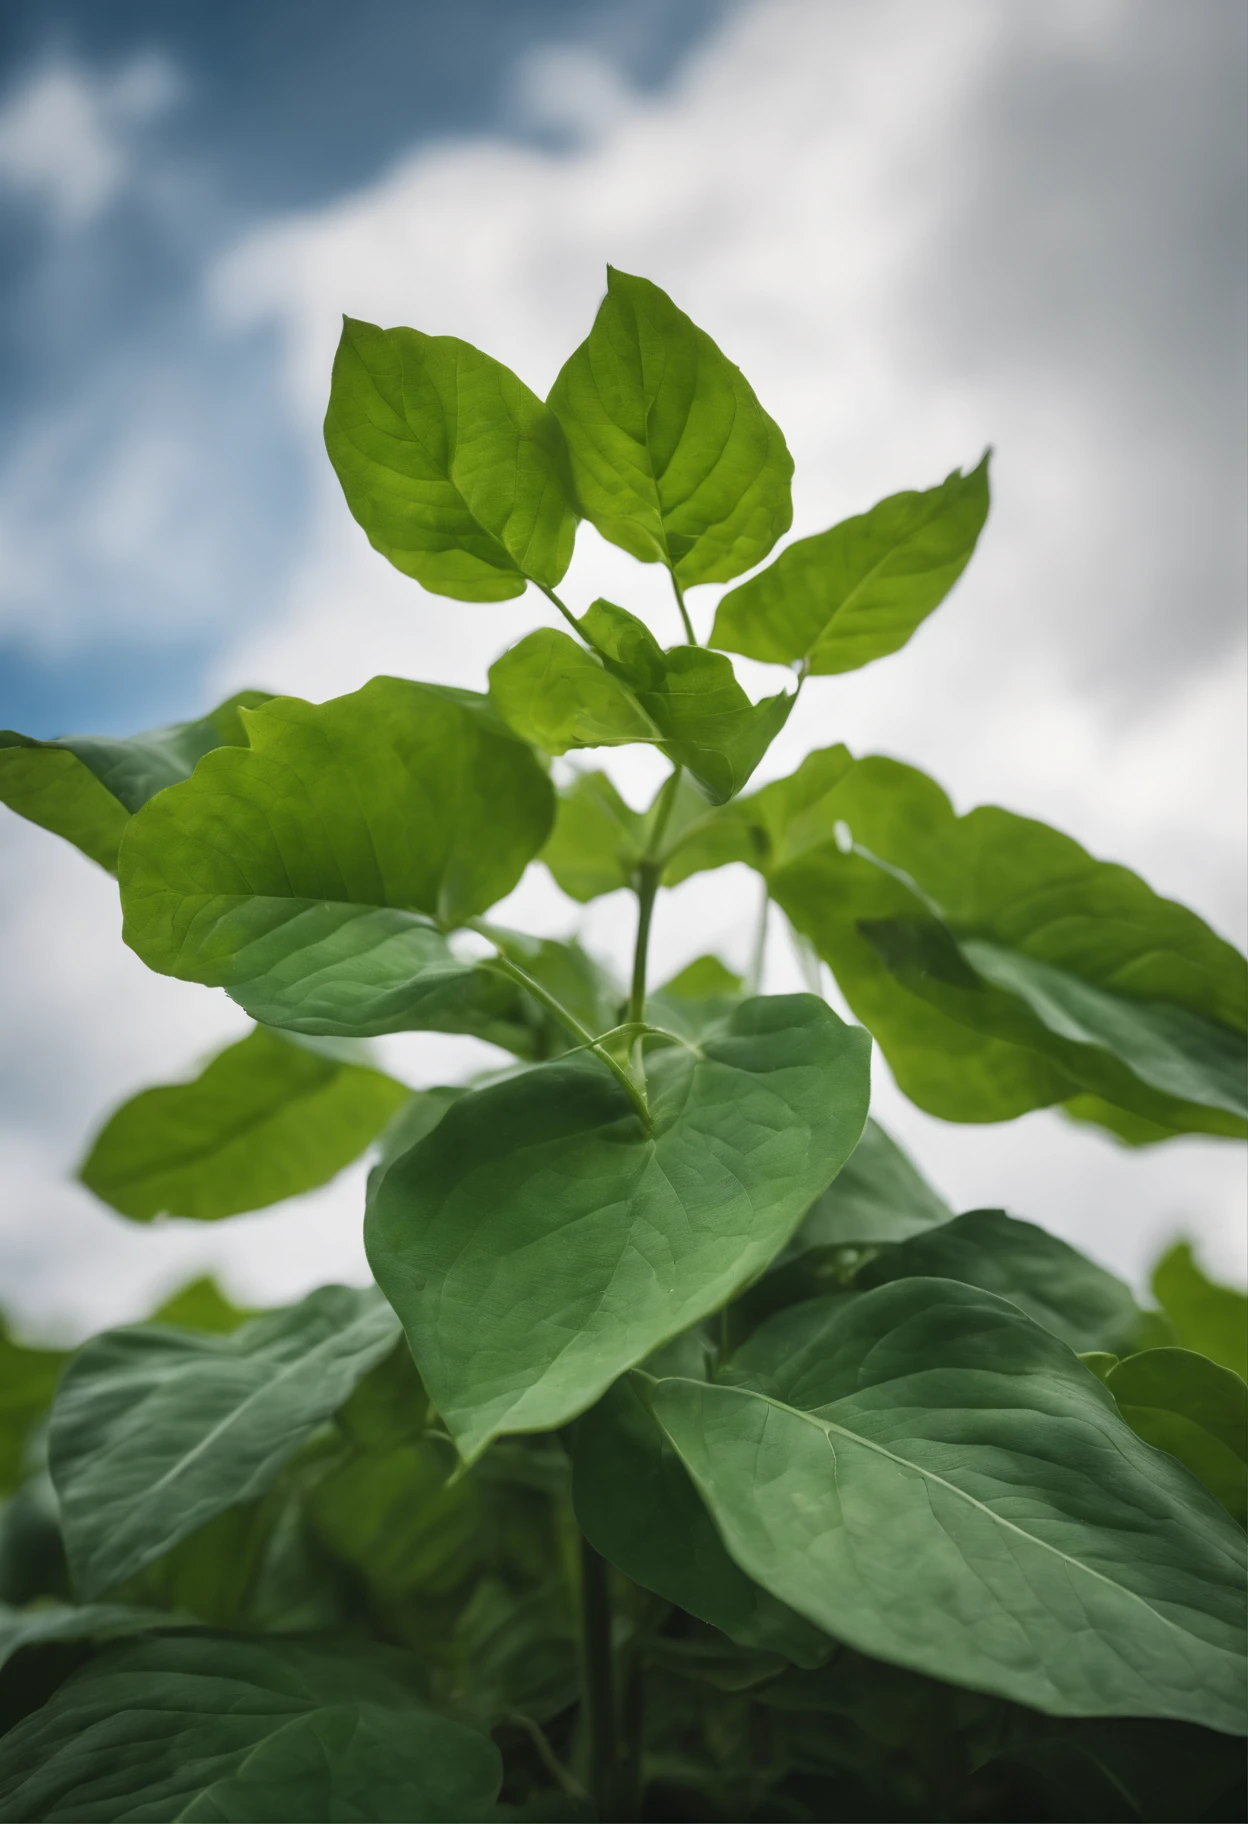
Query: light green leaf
x=702, y=995
x=202, y=1305
x=860, y=590
x=1183, y=1403
x=1087, y=1306
x=86, y=787
x=637, y=1507
x=907, y=901
x=455, y=470
x=1209, y=1318
x=28, y=1379
x=935, y=1480
x=215, y=1727
x=597, y=840
x=556, y=695
x=539, y=1241
x=878, y=1196
x=304, y=874
x=156, y=1430
x=672, y=455
x=265, y=1120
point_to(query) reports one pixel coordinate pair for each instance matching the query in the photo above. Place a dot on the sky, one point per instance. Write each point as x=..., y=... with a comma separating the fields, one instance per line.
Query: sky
x=920, y=226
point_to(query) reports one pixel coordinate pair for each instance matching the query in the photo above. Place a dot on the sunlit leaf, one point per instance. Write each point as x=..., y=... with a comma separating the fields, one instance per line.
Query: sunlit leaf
x=539, y=1241
x=672, y=455
x=454, y=469
x=266, y=1119
x=860, y=590
x=557, y=695
x=1205, y=1316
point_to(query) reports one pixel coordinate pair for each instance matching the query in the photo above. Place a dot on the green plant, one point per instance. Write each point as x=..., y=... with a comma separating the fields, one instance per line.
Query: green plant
x=690, y=1458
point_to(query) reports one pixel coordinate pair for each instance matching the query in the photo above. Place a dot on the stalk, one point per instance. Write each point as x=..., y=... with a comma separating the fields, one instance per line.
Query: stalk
x=598, y=1678
x=691, y=638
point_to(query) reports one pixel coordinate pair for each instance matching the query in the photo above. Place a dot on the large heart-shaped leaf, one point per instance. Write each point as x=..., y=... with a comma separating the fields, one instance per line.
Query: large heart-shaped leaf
x=1205, y=1316
x=1184, y=1403
x=858, y=591
x=86, y=787
x=540, y=1241
x=1087, y=1306
x=672, y=455
x=155, y=1430
x=307, y=873
x=455, y=470
x=265, y=1119
x=936, y=1480
x=211, y=1727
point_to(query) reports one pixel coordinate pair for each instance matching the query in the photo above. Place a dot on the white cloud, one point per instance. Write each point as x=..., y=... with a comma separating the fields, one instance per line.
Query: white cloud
x=68, y=135
x=801, y=192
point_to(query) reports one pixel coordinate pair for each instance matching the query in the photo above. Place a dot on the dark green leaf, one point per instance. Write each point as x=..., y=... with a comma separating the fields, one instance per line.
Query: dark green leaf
x=672, y=455
x=878, y=1196
x=42, y=1623
x=539, y=1241
x=934, y=1479
x=1135, y=1771
x=1184, y=1403
x=860, y=590
x=1088, y=1307
x=304, y=874
x=637, y=1507
x=266, y=1119
x=156, y=1430
x=1209, y=1318
x=28, y=1380
x=454, y=469
x=85, y=787
x=214, y=1727
x=518, y=1655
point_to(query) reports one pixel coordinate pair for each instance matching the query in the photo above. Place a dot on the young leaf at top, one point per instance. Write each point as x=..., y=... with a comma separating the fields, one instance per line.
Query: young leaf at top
x=156, y=1430
x=1087, y=1306
x=556, y=695
x=1209, y=1318
x=1183, y=1403
x=306, y=873
x=937, y=1481
x=598, y=840
x=540, y=1241
x=673, y=457
x=204, y=1726
x=858, y=591
x=86, y=787
x=266, y=1119
x=455, y=470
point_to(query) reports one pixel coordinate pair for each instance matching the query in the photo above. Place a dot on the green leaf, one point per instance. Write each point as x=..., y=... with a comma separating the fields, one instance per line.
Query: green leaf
x=858, y=591
x=304, y=874
x=86, y=787
x=1209, y=1318
x=217, y=1727
x=673, y=457
x=265, y=1120
x=1087, y=1306
x=556, y=695
x=28, y=1379
x=1183, y=1403
x=42, y=1624
x=201, y=1305
x=597, y=840
x=156, y=1430
x=455, y=470
x=637, y=1507
x=935, y=1480
x=999, y=965
x=702, y=995
x=878, y=1196
x=540, y=1241
x=1139, y=1771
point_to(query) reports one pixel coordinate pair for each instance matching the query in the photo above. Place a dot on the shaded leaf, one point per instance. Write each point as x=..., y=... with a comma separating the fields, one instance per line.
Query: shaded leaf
x=539, y=1241
x=305, y=874
x=878, y=1196
x=156, y=1430
x=1183, y=1403
x=43, y=1623
x=1209, y=1318
x=28, y=1379
x=860, y=590
x=86, y=787
x=673, y=457
x=265, y=1120
x=1087, y=1306
x=934, y=1479
x=454, y=469
x=213, y=1727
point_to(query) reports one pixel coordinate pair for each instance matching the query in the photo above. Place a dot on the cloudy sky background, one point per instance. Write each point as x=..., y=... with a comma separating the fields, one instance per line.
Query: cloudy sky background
x=920, y=226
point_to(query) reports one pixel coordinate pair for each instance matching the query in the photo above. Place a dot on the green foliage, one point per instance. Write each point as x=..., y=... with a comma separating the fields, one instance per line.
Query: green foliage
x=691, y=1457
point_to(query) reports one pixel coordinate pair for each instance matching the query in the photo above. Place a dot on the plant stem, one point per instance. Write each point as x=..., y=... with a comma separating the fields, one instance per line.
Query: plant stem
x=754, y=974
x=598, y=1681
x=647, y=888
x=566, y=612
x=691, y=638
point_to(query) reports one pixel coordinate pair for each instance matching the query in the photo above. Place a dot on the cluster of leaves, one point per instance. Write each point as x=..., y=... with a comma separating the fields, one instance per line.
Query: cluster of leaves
x=690, y=1458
